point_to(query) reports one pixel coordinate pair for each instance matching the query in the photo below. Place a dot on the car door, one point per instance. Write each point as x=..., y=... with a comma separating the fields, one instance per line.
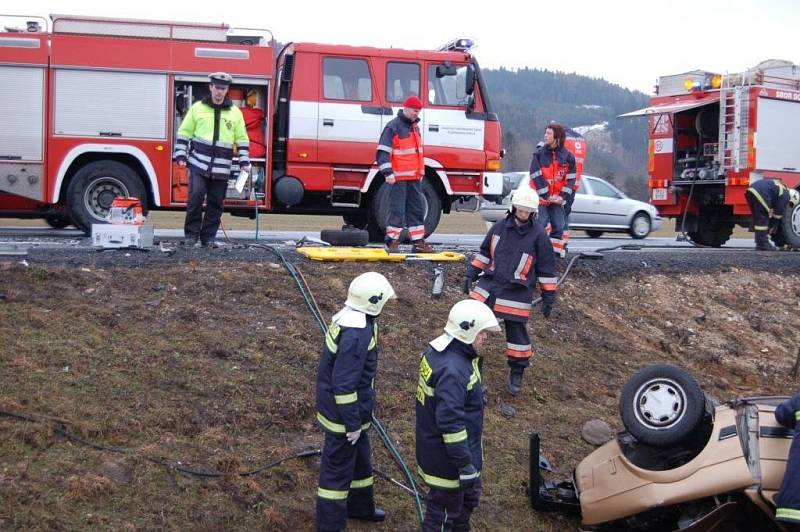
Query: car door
x=581, y=207
x=349, y=126
x=606, y=205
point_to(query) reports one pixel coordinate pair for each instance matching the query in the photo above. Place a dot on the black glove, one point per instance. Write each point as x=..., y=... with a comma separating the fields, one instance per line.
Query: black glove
x=470, y=277
x=467, y=476
x=547, y=308
x=774, y=224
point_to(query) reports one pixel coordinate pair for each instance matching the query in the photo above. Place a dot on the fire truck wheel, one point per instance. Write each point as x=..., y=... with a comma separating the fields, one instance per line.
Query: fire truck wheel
x=378, y=211
x=95, y=186
x=791, y=227
x=345, y=237
x=711, y=232
x=662, y=405
x=58, y=221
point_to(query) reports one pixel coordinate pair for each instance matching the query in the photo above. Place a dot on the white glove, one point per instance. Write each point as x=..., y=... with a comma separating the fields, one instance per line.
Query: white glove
x=352, y=437
x=391, y=179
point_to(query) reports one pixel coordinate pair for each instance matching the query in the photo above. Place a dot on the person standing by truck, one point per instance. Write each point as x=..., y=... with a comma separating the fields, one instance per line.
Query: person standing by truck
x=402, y=164
x=553, y=177
x=211, y=134
x=768, y=199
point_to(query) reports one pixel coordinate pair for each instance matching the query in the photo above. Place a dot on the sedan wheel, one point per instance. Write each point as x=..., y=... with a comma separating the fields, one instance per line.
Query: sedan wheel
x=640, y=226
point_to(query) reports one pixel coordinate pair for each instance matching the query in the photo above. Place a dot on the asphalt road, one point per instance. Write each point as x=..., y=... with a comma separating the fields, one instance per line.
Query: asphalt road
x=19, y=239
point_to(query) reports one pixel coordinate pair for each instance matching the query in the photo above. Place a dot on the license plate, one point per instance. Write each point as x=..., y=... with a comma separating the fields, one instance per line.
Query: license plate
x=660, y=194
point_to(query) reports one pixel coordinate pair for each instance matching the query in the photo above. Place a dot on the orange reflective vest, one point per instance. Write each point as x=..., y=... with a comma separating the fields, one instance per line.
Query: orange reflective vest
x=400, y=150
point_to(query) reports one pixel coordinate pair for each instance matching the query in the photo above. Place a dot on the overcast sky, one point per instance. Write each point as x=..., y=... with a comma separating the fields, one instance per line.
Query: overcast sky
x=627, y=42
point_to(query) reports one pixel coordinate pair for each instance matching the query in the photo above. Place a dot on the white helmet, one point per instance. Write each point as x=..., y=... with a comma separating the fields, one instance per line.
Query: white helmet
x=469, y=317
x=369, y=292
x=525, y=198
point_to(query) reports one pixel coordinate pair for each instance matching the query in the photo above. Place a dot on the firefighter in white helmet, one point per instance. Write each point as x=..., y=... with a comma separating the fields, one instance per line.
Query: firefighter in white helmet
x=345, y=401
x=514, y=256
x=450, y=417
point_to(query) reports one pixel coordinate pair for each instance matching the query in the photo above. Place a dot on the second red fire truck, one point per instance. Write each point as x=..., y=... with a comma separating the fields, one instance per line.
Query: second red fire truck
x=91, y=108
x=712, y=135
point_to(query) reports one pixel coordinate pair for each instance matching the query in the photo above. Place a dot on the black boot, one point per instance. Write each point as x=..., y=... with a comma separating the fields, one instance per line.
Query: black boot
x=377, y=517
x=514, y=383
x=763, y=243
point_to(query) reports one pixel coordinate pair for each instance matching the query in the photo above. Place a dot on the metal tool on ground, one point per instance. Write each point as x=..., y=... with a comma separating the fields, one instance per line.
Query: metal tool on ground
x=438, y=282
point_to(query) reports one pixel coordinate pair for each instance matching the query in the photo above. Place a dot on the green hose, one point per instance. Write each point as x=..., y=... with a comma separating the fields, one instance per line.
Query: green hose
x=384, y=435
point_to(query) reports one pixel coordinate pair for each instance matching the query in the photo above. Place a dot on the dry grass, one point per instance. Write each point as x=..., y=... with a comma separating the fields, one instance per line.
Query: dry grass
x=214, y=365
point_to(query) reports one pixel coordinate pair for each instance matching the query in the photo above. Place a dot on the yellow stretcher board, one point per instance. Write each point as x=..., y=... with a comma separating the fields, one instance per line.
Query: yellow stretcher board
x=341, y=254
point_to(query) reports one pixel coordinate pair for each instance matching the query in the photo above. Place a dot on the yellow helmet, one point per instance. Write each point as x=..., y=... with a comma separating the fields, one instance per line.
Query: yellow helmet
x=369, y=292
x=469, y=317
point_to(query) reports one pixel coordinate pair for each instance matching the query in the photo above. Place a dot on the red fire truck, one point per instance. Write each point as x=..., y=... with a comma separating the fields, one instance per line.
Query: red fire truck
x=92, y=105
x=712, y=135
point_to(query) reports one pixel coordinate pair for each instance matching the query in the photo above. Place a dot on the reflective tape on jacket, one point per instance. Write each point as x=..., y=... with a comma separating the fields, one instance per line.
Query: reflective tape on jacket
x=345, y=399
x=438, y=482
x=455, y=437
x=332, y=337
x=336, y=428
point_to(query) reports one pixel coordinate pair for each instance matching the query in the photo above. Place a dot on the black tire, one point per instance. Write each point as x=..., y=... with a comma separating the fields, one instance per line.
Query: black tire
x=58, y=221
x=378, y=211
x=711, y=232
x=790, y=226
x=593, y=233
x=640, y=226
x=661, y=405
x=357, y=220
x=345, y=237
x=95, y=186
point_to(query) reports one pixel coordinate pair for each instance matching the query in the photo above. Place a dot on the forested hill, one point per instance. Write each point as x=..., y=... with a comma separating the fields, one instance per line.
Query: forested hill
x=528, y=99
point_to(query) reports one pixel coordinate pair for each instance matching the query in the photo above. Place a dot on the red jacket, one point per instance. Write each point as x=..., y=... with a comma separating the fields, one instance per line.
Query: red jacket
x=400, y=150
x=553, y=172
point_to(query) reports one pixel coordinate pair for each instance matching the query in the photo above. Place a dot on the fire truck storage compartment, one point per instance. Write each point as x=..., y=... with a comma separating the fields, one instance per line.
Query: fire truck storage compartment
x=22, y=138
x=190, y=89
x=97, y=103
x=777, y=143
x=696, y=141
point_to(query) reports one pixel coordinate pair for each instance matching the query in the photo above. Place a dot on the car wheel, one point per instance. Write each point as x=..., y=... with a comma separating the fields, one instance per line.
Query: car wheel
x=594, y=233
x=640, y=226
x=345, y=237
x=661, y=405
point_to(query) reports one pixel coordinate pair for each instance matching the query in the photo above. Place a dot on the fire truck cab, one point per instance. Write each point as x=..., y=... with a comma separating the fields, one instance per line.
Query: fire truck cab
x=92, y=107
x=712, y=135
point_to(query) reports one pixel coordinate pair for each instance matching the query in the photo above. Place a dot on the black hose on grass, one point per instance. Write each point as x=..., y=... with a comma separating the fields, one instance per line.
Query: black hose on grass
x=176, y=466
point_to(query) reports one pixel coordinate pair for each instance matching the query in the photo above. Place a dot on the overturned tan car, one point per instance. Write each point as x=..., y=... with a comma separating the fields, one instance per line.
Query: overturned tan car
x=684, y=462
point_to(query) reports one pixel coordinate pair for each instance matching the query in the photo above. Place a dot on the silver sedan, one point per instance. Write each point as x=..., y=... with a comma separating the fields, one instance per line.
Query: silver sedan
x=599, y=207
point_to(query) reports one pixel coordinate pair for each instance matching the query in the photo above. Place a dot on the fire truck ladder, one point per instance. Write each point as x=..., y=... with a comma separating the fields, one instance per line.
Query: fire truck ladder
x=733, y=127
